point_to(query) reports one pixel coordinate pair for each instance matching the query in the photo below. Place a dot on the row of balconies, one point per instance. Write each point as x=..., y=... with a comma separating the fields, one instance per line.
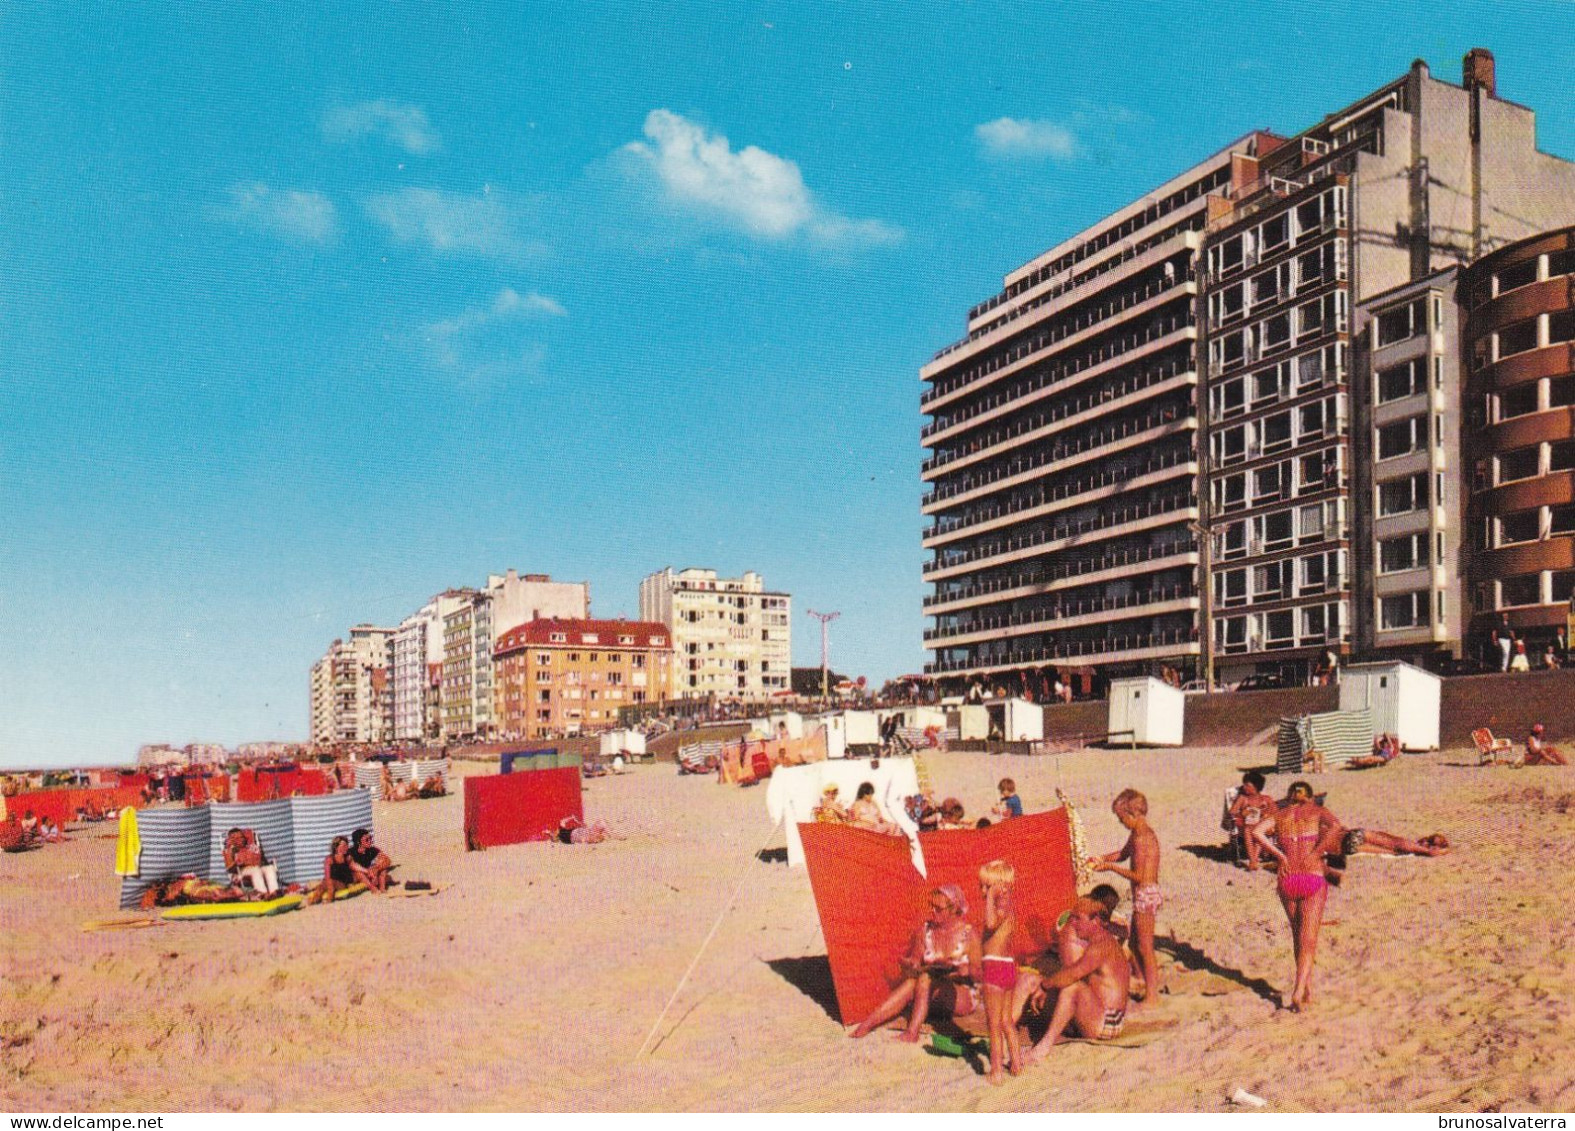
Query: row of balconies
x=1084, y=319
x=1063, y=610
x=1063, y=410
x=1120, y=559
x=1104, y=520
x=1062, y=449
x=1016, y=504
x=1107, y=351
x=1069, y=650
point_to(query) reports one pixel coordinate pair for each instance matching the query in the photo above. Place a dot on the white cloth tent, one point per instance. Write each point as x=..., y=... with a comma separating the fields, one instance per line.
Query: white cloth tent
x=794, y=792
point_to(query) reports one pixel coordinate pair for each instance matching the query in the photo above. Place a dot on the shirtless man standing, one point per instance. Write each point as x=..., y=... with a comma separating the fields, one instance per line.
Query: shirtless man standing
x=1142, y=850
x=1093, y=990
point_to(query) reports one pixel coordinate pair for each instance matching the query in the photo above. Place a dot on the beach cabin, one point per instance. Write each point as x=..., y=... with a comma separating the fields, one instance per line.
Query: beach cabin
x=629, y=743
x=863, y=728
x=919, y=718
x=973, y=722
x=836, y=736
x=790, y=719
x=1146, y=712
x=1015, y=720
x=1404, y=700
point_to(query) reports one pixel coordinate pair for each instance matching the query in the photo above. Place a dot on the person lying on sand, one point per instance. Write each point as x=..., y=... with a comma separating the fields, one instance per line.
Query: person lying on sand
x=1379, y=843
x=1386, y=748
x=189, y=889
x=937, y=968
x=1092, y=993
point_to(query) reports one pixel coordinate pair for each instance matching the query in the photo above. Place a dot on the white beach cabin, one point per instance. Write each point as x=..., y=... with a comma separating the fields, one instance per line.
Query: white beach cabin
x=1146, y=712
x=1403, y=698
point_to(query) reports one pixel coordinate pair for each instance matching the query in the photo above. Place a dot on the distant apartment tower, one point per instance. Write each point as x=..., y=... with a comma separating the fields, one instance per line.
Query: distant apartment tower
x=1359, y=213
x=467, y=668
x=567, y=677
x=732, y=639
x=350, y=698
x=1520, y=403
x=1063, y=466
x=418, y=644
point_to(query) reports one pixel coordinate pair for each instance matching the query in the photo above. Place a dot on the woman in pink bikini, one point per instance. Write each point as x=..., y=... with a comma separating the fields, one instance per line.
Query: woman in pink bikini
x=1306, y=832
x=937, y=968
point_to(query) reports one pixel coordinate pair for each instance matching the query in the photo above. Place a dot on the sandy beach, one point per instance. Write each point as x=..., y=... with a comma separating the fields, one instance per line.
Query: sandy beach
x=531, y=980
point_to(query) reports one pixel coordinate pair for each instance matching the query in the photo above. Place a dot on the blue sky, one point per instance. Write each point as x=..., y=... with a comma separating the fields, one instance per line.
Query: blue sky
x=307, y=312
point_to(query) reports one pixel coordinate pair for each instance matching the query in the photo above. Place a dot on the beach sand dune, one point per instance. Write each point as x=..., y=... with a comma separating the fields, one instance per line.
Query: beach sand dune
x=531, y=981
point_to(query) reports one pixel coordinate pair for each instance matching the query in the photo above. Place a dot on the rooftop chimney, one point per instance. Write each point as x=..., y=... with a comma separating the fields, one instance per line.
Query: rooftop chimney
x=1477, y=71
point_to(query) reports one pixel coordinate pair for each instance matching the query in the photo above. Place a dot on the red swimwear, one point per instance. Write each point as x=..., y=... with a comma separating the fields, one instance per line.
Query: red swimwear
x=1301, y=885
x=1000, y=971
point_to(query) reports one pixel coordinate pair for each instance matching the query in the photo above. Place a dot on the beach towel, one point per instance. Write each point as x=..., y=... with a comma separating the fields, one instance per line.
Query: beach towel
x=870, y=898
x=128, y=845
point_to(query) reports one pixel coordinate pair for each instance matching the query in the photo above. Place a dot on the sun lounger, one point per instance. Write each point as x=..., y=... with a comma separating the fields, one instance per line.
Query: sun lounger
x=1494, y=751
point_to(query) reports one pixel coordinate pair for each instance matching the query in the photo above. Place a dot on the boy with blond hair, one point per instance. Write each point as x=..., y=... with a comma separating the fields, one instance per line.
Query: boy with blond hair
x=1142, y=851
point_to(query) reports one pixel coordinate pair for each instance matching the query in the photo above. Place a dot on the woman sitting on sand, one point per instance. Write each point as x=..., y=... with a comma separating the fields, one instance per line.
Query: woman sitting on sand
x=1306, y=832
x=936, y=969
x=370, y=863
x=865, y=814
x=338, y=872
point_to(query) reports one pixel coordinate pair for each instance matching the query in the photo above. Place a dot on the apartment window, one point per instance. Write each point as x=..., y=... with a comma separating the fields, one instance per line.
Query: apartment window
x=626, y=640
x=1279, y=628
x=1276, y=332
x=1267, y=384
x=1233, y=492
x=1519, y=464
x=1309, y=268
x=1523, y=590
x=1561, y=392
x=1310, y=521
x=1561, y=520
x=1519, y=275
x=1232, y=444
x=1401, y=381
x=1311, y=471
x=1519, y=338
x=1563, y=586
x=1561, y=263
x=1519, y=401
x=1233, y=541
x=1265, y=287
x=1309, y=370
x=1397, y=554
x=1561, y=327
x=1267, y=483
x=1229, y=398
x=1277, y=530
x=1404, y=610
x=1276, y=232
x=1231, y=633
x=1309, y=215
x=1522, y=526
x=1230, y=587
x=1561, y=456
x=1312, y=420
x=1230, y=254
x=544, y=696
x=544, y=658
x=1401, y=323
x=1401, y=437
x=1276, y=431
x=559, y=638
x=1309, y=319
x=1402, y=495
x=1313, y=574
x=1314, y=624
x=1269, y=582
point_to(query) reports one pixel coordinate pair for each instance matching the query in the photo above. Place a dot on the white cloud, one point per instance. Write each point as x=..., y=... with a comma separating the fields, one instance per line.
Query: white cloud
x=297, y=214
x=403, y=125
x=508, y=304
x=451, y=222
x=754, y=190
x=1023, y=137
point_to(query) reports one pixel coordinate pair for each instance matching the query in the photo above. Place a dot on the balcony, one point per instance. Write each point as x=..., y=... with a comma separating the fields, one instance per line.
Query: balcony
x=1179, y=505
x=1063, y=612
x=1126, y=478
x=1084, y=571
x=1065, y=449
x=1133, y=646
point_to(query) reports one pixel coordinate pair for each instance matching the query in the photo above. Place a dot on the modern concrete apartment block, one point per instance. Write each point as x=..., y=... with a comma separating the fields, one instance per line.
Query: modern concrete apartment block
x=467, y=699
x=1062, y=440
x=1419, y=176
x=1520, y=404
x=418, y=643
x=732, y=638
x=1409, y=495
x=350, y=690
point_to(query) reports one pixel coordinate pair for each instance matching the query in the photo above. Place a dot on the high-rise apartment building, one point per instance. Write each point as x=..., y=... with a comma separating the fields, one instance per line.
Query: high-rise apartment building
x=1062, y=439
x=467, y=668
x=1415, y=178
x=1077, y=456
x=732, y=638
x=565, y=677
x=418, y=644
x=350, y=690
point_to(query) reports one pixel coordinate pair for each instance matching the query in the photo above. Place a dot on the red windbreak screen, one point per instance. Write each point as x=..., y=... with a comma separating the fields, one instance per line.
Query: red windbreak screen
x=870, y=899
x=510, y=808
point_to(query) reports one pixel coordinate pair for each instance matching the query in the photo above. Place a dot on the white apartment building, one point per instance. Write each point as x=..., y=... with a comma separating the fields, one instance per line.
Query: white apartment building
x=350, y=699
x=418, y=643
x=732, y=639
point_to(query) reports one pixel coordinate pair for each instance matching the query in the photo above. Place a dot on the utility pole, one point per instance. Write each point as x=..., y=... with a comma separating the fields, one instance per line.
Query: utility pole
x=825, y=620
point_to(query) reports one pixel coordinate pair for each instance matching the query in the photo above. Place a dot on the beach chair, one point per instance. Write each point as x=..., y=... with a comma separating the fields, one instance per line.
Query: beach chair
x=1494, y=751
x=1238, y=850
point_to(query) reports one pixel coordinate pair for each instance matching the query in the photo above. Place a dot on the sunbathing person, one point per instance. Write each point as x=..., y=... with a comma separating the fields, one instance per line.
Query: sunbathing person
x=186, y=890
x=245, y=861
x=1539, y=753
x=1386, y=748
x=434, y=787
x=1379, y=843
x=937, y=968
x=1092, y=992
x=370, y=863
x=865, y=814
x=338, y=872
x=828, y=812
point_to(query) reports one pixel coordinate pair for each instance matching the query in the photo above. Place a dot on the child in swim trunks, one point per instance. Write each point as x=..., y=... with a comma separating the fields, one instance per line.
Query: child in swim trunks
x=1142, y=850
x=998, y=969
